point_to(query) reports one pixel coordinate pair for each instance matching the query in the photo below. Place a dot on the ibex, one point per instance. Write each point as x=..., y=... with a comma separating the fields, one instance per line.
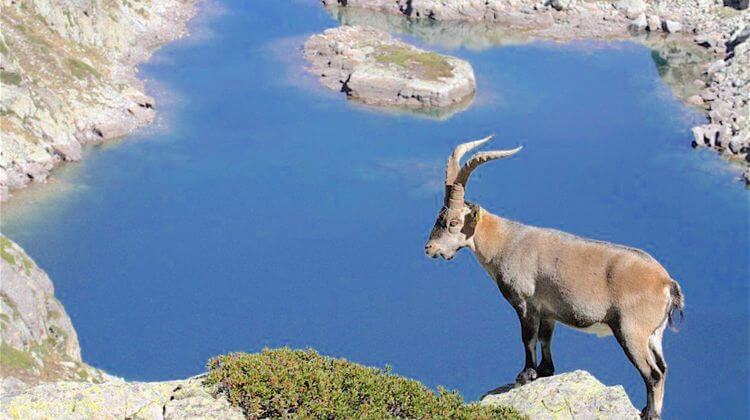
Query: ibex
x=550, y=276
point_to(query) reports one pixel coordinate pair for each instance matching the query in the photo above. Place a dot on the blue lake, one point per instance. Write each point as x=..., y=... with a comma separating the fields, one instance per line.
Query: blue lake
x=264, y=211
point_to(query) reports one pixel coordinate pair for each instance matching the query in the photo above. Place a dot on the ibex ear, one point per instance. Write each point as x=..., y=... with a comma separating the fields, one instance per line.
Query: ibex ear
x=471, y=220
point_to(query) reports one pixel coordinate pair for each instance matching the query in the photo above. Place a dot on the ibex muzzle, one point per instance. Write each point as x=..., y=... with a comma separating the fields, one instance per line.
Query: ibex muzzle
x=550, y=276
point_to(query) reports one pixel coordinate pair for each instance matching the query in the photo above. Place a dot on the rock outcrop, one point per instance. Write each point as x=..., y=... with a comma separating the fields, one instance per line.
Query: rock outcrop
x=372, y=67
x=714, y=25
x=38, y=343
x=573, y=395
x=68, y=77
x=185, y=399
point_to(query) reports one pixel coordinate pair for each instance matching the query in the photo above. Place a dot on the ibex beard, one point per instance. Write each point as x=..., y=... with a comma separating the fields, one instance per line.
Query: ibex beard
x=550, y=276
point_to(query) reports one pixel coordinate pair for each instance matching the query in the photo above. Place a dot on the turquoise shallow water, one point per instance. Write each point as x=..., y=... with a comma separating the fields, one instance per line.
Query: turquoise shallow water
x=263, y=211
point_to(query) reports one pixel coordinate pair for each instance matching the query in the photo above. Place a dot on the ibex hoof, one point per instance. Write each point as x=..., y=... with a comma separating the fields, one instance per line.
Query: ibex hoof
x=646, y=415
x=545, y=371
x=527, y=375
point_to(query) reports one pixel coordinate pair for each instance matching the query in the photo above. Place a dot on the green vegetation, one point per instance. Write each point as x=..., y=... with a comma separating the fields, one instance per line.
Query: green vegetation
x=426, y=65
x=295, y=383
x=3, y=48
x=5, y=246
x=10, y=78
x=12, y=358
x=11, y=258
x=80, y=69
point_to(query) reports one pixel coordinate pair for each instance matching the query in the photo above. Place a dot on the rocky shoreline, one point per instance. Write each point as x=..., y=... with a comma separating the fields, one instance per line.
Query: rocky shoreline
x=723, y=85
x=374, y=68
x=69, y=78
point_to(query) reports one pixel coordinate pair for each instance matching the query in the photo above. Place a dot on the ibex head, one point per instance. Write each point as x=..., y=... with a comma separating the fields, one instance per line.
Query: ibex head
x=457, y=219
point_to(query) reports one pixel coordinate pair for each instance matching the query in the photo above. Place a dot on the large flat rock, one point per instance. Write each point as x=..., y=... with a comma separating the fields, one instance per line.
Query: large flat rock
x=371, y=66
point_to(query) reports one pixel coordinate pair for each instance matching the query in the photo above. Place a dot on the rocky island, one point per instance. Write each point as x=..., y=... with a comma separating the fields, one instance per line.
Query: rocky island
x=371, y=66
x=721, y=27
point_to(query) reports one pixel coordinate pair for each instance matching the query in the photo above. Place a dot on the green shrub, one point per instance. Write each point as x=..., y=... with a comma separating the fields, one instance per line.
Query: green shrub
x=303, y=384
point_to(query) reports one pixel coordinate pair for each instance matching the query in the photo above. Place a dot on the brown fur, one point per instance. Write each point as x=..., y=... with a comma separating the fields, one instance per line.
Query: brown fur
x=550, y=276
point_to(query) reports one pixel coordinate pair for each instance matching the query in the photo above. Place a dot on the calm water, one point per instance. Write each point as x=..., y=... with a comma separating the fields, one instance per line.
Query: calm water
x=265, y=211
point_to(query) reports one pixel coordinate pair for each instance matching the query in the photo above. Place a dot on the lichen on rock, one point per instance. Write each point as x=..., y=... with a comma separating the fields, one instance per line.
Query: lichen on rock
x=573, y=395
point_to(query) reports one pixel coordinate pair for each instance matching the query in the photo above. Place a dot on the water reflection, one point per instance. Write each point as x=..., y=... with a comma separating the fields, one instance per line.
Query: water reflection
x=678, y=60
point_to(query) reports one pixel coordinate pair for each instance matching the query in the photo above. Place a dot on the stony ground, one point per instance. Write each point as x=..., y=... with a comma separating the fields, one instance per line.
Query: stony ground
x=67, y=77
x=722, y=86
x=371, y=66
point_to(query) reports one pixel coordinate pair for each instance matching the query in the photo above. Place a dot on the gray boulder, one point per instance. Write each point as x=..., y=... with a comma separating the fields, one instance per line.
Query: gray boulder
x=671, y=26
x=631, y=8
x=573, y=395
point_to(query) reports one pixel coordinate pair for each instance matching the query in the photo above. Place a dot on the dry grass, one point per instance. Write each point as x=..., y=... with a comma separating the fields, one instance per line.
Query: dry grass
x=424, y=65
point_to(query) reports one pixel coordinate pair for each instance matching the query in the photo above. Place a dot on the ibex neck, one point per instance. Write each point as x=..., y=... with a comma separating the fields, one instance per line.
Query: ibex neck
x=490, y=236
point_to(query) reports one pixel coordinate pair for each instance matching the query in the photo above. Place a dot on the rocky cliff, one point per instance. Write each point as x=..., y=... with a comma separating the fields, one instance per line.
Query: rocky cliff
x=371, y=66
x=38, y=343
x=68, y=72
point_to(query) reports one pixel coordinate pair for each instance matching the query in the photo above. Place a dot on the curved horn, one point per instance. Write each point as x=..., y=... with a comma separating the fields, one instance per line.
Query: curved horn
x=454, y=160
x=480, y=158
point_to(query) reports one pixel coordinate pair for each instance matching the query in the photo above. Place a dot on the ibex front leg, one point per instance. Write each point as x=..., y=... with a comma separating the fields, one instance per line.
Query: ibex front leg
x=546, y=329
x=529, y=335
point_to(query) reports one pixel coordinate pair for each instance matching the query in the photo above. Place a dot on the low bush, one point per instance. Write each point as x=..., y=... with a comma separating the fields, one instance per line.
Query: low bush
x=286, y=383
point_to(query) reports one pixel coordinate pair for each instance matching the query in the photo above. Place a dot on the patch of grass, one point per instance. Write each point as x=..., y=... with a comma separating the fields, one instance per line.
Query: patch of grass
x=80, y=69
x=3, y=48
x=5, y=246
x=14, y=358
x=426, y=65
x=284, y=383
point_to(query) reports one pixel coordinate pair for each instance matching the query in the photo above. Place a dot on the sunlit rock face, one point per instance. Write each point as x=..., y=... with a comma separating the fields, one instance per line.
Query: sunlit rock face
x=374, y=68
x=117, y=399
x=570, y=395
x=39, y=343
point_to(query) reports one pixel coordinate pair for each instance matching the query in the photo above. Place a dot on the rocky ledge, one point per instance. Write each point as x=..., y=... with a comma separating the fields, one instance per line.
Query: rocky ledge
x=118, y=399
x=42, y=375
x=720, y=26
x=372, y=67
x=570, y=395
x=68, y=77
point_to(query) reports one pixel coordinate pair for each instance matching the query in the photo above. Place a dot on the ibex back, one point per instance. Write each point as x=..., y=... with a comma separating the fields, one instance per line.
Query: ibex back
x=550, y=276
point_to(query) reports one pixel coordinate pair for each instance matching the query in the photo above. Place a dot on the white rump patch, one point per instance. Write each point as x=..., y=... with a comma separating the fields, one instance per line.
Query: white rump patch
x=600, y=329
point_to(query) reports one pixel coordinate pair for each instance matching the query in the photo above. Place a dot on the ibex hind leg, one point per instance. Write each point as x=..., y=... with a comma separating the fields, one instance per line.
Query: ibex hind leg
x=635, y=341
x=655, y=346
